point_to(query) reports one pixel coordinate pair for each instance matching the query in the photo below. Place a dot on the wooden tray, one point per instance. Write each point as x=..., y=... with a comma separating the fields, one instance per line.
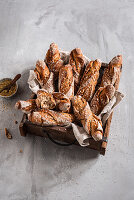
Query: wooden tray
x=63, y=134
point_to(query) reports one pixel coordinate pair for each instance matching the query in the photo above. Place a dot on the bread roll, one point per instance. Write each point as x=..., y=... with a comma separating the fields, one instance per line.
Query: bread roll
x=66, y=81
x=42, y=72
x=101, y=98
x=46, y=117
x=62, y=102
x=26, y=106
x=44, y=76
x=53, y=59
x=77, y=61
x=45, y=100
x=112, y=72
x=79, y=107
x=89, y=80
x=91, y=123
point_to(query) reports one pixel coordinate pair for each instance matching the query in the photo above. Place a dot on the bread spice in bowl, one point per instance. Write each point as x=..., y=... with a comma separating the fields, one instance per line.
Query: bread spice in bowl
x=7, y=93
x=8, y=87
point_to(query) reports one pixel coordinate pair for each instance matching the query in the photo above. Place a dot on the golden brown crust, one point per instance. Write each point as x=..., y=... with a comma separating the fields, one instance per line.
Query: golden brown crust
x=91, y=123
x=45, y=100
x=62, y=101
x=46, y=117
x=42, y=72
x=76, y=60
x=101, y=98
x=94, y=128
x=79, y=105
x=55, y=67
x=53, y=54
x=53, y=59
x=26, y=106
x=89, y=80
x=66, y=82
x=112, y=72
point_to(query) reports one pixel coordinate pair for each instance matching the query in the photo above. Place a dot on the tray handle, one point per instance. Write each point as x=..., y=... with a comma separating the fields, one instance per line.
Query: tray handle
x=58, y=143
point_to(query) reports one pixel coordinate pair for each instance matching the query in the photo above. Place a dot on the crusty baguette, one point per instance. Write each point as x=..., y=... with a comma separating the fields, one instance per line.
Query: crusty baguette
x=62, y=101
x=66, y=81
x=45, y=99
x=26, y=106
x=44, y=76
x=53, y=54
x=49, y=100
x=77, y=61
x=101, y=98
x=112, y=72
x=91, y=123
x=53, y=59
x=89, y=80
x=42, y=72
x=79, y=107
x=46, y=117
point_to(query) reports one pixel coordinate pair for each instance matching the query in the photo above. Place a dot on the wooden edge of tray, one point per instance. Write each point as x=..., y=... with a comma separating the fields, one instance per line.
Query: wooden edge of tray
x=22, y=127
x=106, y=134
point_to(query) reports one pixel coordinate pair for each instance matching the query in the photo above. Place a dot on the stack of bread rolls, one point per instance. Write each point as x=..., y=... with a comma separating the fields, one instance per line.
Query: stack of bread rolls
x=68, y=91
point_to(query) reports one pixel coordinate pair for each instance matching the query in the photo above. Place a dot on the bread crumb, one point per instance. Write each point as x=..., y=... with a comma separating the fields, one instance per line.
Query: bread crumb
x=8, y=135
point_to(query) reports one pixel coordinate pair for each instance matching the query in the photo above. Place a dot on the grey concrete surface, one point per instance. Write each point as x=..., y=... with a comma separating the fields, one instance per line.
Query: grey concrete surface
x=43, y=171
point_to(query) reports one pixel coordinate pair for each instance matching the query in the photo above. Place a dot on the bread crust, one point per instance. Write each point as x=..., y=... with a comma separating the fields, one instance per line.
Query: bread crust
x=26, y=106
x=66, y=81
x=91, y=123
x=53, y=54
x=62, y=102
x=46, y=117
x=53, y=59
x=42, y=72
x=112, y=72
x=101, y=98
x=89, y=80
x=77, y=61
x=45, y=100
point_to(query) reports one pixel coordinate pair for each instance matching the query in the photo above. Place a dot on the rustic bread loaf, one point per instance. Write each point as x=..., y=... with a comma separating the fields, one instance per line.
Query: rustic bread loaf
x=44, y=76
x=89, y=80
x=62, y=101
x=45, y=99
x=53, y=59
x=53, y=54
x=48, y=100
x=91, y=123
x=42, y=72
x=112, y=72
x=66, y=81
x=101, y=98
x=46, y=117
x=77, y=61
x=26, y=106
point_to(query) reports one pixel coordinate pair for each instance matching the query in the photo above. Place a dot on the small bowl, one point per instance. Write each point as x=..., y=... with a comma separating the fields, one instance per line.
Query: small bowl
x=14, y=91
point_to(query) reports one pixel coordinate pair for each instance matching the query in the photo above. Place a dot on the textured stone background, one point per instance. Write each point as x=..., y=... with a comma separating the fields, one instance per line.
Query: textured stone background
x=102, y=29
